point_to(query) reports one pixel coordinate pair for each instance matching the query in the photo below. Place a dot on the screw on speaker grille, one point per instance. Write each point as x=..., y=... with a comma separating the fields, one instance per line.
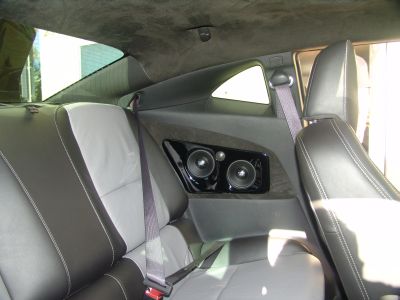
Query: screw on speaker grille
x=200, y=163
x=241, y=174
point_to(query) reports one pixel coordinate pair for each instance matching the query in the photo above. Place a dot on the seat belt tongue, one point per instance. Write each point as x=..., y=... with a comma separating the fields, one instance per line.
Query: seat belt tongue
x=155, y=290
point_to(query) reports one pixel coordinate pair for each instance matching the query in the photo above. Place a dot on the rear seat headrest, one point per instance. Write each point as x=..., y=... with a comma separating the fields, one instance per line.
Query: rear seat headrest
x=333, y=89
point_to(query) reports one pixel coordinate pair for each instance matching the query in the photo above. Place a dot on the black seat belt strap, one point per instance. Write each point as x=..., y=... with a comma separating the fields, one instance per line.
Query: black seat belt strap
x=182, y=273
x=155, y=282
x=157, y=285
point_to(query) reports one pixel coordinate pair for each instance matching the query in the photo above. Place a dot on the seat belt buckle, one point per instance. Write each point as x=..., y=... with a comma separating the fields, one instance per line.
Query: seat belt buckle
x=156, y=291
x=153, y=294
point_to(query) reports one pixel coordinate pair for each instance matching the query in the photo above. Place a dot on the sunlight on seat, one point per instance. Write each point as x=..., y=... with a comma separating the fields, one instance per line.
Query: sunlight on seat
x=223, y=262
x=373, y=226
x=277, y=239
x=217, y=273
x=264, y=291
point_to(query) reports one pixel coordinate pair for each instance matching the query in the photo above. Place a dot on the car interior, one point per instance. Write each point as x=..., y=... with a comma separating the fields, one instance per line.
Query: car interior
x=153, y=168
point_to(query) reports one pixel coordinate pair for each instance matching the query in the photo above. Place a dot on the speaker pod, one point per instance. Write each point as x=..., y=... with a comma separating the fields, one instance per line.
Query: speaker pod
x=200, y=163
x=241, y=174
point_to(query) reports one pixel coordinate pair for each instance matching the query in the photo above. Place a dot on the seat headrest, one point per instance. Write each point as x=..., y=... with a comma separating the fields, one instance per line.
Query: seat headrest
x=333, y=89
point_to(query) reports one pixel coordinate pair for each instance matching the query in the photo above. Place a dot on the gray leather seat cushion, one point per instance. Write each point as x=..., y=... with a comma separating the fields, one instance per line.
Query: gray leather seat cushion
x=291, y=274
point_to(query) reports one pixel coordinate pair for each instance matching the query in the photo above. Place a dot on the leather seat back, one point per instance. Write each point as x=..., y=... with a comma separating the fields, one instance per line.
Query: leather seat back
x=55, y=237
x=334, y=165
x=71, y=217
x=105, y=137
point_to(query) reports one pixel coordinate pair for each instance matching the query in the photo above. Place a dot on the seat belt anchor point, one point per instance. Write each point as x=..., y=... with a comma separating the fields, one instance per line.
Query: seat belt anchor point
x=280, y=78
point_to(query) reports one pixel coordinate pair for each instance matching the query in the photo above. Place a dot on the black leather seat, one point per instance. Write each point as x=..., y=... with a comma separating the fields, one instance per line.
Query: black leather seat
x=352, y=199
x=71, y=217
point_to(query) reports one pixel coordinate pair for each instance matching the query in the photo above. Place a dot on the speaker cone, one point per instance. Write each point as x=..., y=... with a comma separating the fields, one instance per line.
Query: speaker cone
x=200, y=163
x=241, y=174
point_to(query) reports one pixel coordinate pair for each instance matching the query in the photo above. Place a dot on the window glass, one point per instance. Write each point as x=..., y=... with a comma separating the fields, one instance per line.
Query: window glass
x=54, y=62
x=248, y=85
x=379, y=102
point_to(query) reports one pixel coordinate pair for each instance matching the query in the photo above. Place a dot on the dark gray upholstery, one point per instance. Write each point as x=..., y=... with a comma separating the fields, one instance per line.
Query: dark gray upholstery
x=336, y=171
x=55, y=235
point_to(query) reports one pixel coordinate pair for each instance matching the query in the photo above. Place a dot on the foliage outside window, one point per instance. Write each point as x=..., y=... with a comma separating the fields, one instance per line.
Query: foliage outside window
x=36, y=64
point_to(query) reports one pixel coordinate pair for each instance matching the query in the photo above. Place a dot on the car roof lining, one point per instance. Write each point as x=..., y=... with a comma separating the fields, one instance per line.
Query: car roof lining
x=162, y=34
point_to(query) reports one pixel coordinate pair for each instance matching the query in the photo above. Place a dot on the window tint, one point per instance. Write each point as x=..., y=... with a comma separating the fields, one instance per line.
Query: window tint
x=51, y=63
x=379, y=102
x=248, y=85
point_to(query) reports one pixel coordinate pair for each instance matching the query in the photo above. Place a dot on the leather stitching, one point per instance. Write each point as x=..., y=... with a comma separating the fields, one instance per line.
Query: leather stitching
x=383, y=177
x=379, y=171
x=50, y=234
x=310, y=168
x=83, y=186
x=352, y=262
x=119, y=283
x=357, y=161
x=339, y=232
x=314, y=171
x=315, y=176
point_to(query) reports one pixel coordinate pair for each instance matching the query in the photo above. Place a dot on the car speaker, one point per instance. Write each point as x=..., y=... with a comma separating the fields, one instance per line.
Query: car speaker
x=241, y=174
x=200, y=163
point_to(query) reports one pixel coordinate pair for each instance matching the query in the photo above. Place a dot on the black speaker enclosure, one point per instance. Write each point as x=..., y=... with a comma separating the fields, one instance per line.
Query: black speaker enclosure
x=216, y=181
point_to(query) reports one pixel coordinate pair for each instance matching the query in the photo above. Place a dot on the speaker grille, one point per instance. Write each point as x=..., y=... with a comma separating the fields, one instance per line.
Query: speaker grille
x=241, y=174
x=200, y=163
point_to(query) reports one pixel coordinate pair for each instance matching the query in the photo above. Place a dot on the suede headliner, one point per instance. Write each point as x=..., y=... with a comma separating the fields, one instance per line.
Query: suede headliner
x=160, y=34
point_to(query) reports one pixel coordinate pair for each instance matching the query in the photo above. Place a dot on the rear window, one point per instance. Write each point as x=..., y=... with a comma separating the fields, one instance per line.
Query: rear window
x=36, y=64
x=248, y=86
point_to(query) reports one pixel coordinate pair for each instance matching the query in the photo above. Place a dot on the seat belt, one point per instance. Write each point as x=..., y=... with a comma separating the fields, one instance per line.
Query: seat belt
x=286, y=109
x=157, y=286
x=285, y=106
x=182, y=273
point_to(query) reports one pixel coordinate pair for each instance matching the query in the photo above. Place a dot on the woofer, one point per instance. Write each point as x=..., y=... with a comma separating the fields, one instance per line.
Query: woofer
x=241, y=174
x=200, y=163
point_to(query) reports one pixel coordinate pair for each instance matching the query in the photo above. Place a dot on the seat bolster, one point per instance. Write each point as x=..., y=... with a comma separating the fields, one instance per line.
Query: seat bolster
x=71, y=245
x=30, y=266
x=122, y=282
x=330, y=148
